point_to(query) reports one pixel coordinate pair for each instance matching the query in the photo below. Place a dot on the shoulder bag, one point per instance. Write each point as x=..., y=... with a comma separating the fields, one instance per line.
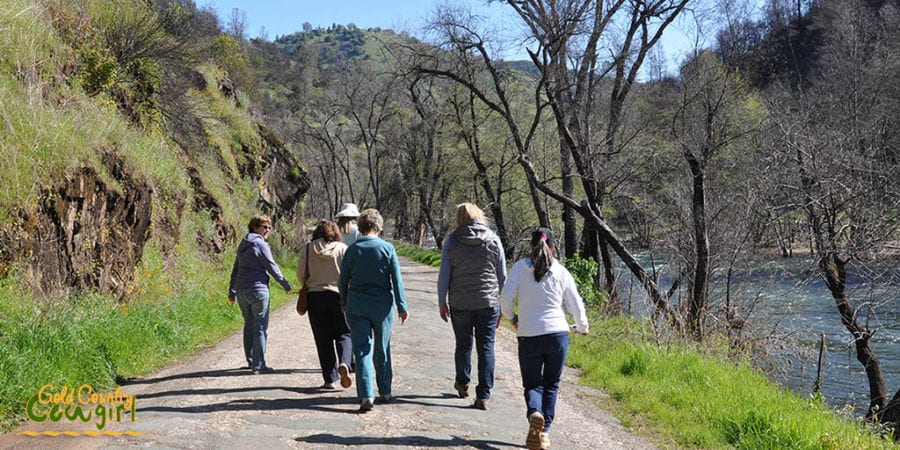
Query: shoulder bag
x=302, y=301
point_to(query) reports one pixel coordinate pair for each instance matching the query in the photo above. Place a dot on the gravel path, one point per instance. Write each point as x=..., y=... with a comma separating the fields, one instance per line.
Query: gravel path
x=208, y=401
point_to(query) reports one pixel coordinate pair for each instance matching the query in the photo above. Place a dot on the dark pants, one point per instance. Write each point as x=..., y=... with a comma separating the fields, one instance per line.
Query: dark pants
x=480, y=325
x=330, y=332
x=541, y=360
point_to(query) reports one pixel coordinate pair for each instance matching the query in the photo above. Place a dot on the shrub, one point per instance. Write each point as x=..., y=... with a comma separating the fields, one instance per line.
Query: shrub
x=585, y=273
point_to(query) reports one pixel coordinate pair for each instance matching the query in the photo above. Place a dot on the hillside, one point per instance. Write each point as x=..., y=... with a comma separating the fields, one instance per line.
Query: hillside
x=130, y=161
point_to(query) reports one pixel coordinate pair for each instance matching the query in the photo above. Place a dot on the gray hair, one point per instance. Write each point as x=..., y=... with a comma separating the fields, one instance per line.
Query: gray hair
x=370, y=220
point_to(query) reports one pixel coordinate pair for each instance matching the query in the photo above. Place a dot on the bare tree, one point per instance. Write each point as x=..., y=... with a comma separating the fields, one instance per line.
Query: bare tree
x=491, y=173
x=237, y=24
x=570, y=94
x=711, y=118
x=840, y=138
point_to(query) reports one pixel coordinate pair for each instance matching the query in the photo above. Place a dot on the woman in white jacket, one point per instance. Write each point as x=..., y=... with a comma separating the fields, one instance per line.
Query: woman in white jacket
x=542, y=287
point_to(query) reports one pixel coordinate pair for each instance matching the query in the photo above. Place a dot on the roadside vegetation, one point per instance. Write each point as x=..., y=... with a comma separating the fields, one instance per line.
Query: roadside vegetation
x=678, y=394
x=178, y=307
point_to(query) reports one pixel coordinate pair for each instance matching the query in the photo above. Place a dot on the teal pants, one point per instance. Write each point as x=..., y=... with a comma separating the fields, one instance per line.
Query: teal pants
x=370, y=332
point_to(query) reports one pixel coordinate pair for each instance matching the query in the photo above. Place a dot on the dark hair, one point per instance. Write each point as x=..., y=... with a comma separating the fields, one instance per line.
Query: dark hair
x=327, y=230
x=541, y=255
x=370, y=220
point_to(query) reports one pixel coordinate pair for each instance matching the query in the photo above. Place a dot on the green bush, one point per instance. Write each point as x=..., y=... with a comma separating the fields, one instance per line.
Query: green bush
x=585, y=273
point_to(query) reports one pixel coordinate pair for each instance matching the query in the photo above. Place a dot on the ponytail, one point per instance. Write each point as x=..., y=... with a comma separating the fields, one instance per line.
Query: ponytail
x=541, y=255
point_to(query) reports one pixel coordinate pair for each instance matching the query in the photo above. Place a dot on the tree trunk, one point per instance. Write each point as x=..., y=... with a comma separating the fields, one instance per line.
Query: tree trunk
x=568, y=186
x=834, y=270
x=891, y=415
x=701, y=248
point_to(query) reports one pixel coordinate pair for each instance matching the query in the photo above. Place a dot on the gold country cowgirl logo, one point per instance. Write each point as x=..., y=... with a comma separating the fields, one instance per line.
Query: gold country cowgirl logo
x=83, y=404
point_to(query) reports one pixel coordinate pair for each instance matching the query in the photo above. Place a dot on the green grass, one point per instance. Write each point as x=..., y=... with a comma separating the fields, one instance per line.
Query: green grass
x=414, y=252
x=686, y=398
x=178, y=306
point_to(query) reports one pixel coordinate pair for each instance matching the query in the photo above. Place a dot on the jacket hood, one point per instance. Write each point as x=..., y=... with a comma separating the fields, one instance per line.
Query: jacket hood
x=473, y=233
x=325, y=250
x=249, y=241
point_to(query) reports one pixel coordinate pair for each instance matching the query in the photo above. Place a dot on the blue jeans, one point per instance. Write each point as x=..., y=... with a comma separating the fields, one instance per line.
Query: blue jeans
x=255, y=309
x=480, y=325
x=541, y=360
x=370, y=332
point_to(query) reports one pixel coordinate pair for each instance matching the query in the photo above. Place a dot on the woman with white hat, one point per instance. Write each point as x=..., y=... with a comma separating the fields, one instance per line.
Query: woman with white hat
x=346, y=220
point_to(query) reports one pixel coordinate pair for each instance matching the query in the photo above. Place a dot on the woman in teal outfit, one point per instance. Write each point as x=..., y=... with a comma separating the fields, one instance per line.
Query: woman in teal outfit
x=370, y=286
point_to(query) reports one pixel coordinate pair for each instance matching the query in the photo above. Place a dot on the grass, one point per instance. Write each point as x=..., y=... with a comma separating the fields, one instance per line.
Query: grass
x=178, y=306
x=687, y=398
x=422, y=255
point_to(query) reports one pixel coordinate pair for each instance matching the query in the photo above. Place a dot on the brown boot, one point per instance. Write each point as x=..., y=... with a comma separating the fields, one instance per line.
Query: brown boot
x=461, y=389
x=535, y=428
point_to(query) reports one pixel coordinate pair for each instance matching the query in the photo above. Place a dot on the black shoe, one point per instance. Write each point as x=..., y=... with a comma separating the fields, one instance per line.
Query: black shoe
x=264, y=369
x=382, y=399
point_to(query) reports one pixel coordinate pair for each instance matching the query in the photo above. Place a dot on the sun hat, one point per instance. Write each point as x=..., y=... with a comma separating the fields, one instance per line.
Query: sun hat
x=348, y=210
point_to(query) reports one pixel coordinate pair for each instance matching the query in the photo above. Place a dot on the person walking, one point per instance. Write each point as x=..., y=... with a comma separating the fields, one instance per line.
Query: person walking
x=542, y=287
x=321, y=259
x=370, y=286
x=249, y=287
x=473, y=270
x=346, y=220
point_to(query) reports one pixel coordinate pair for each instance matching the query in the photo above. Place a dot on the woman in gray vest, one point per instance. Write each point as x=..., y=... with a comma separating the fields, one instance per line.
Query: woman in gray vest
x=473, y=270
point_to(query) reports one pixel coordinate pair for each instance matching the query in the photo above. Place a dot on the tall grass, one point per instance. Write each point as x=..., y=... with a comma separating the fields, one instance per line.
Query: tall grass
x=687, y=397
x=178, y=304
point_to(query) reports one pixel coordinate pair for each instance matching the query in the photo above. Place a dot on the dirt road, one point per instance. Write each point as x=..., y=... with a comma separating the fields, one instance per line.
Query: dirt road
x=210, y=401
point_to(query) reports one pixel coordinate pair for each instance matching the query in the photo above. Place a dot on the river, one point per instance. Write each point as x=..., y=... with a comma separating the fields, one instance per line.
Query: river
x=791, y=300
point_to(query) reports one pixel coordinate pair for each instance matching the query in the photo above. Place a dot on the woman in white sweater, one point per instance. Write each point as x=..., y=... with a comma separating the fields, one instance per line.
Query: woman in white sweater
x=542, y=288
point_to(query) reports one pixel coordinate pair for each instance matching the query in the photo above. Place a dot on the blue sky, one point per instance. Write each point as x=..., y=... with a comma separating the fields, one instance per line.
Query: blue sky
x=282, y=17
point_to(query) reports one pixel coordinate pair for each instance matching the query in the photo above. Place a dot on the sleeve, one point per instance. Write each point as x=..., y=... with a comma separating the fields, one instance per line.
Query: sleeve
x=344, y=278
x=501, y=265
x=508, y=293
x=272, y=268
x=232, y=291
x=574, y=304
x=443, y=283
x=301, y=266
x=397, y=281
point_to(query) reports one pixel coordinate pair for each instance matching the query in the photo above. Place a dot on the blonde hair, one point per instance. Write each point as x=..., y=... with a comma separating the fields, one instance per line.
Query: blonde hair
x=370, y=220
x=467, y=212
x=345, y=224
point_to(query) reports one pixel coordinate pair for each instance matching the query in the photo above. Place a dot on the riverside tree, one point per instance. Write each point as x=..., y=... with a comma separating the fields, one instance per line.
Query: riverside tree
x=837, y=142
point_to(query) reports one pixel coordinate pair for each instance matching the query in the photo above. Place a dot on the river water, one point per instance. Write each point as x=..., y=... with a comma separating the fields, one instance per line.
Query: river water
x=786, y=298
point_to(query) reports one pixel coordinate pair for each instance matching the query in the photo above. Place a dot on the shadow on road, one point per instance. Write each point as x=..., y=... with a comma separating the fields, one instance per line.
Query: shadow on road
x=325, y=404
x=404, y=441
x=236, y=372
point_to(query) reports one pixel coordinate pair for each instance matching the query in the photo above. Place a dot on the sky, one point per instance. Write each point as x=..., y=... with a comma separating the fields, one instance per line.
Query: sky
x=282, y=17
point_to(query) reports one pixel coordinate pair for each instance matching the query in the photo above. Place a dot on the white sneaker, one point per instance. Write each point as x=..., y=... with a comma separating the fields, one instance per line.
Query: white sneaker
x=366, y=405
